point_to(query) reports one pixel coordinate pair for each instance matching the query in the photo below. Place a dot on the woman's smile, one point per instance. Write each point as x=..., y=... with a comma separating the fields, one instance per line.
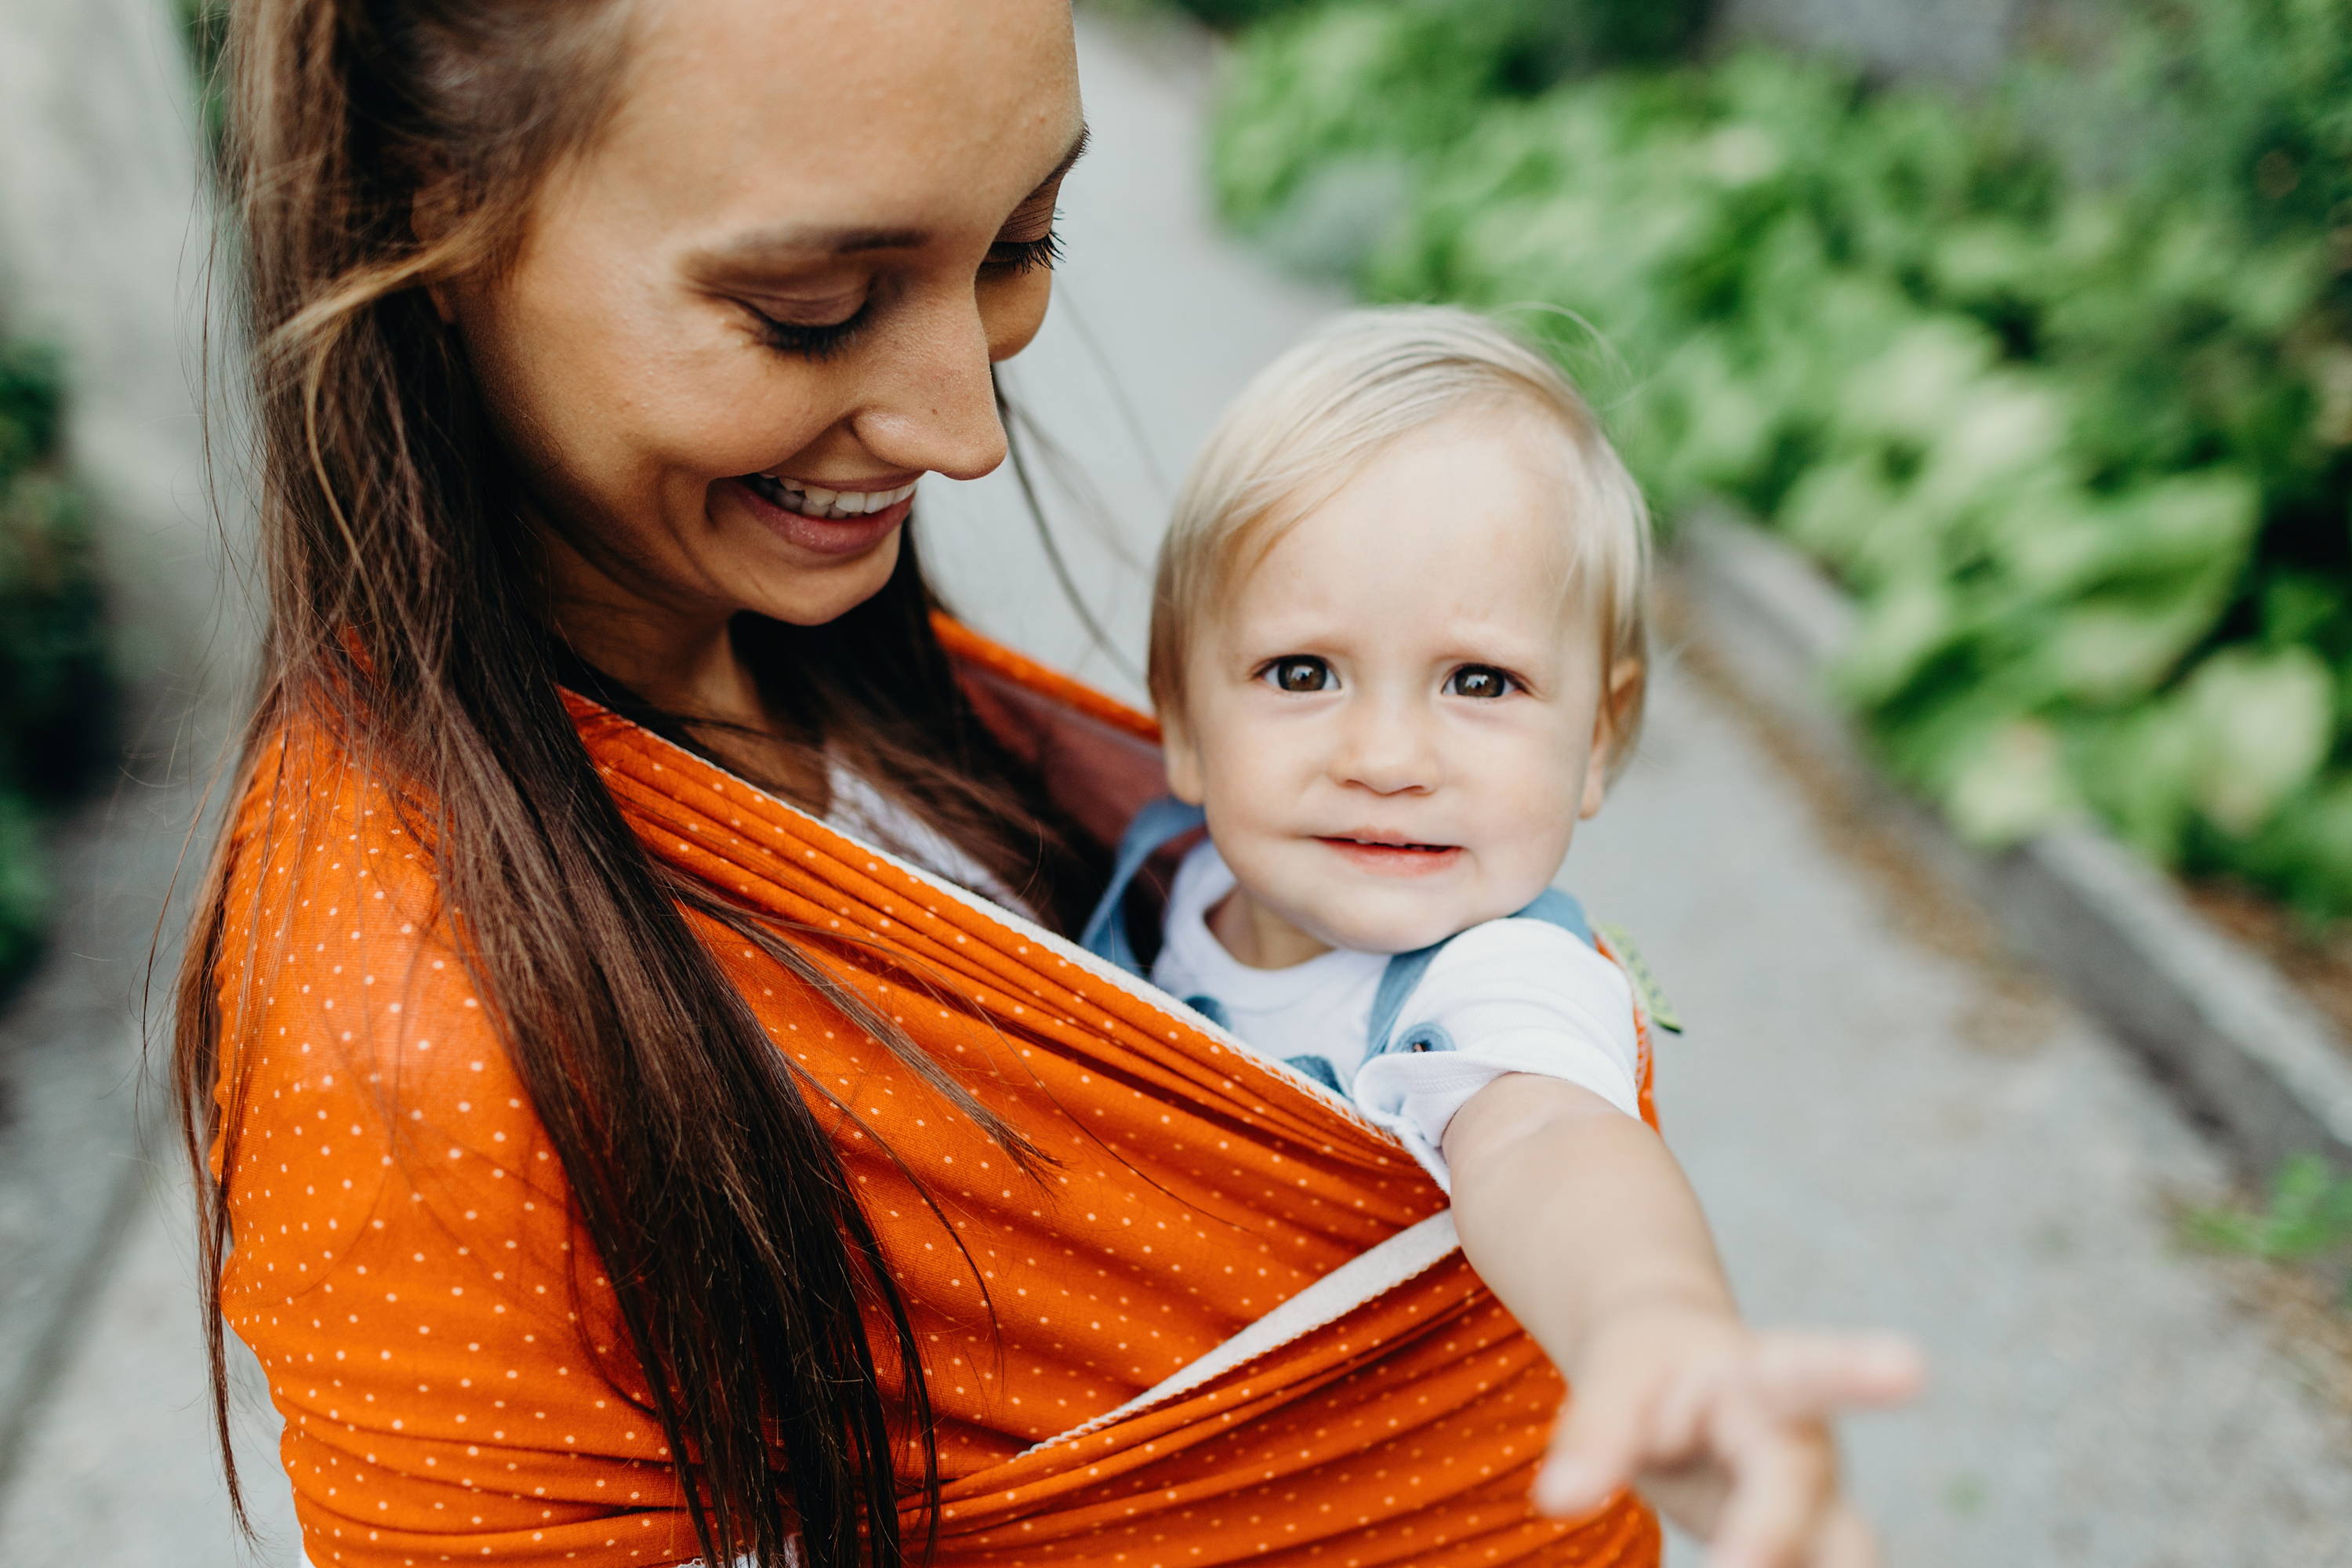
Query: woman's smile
x=812, y=499
x=823, y=521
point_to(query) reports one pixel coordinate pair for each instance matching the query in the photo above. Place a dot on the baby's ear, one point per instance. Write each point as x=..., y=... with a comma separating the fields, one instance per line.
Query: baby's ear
x=1613, y=729
x=1180, y=757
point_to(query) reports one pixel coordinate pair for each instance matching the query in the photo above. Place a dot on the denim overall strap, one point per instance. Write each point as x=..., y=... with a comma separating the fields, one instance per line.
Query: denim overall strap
x=1556, y=907
x=1396, y=982
x=1152, y=829
x=1404, y=971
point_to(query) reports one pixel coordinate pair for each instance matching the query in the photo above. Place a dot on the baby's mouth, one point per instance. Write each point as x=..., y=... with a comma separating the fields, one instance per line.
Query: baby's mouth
x=1390, y=855
x=813, y=501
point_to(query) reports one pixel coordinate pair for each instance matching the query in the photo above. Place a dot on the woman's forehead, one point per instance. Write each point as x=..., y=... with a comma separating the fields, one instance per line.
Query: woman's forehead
x=865, y=118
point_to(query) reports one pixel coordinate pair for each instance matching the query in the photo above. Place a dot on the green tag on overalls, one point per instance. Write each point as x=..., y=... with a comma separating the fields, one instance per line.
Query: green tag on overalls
x=1660, y=1012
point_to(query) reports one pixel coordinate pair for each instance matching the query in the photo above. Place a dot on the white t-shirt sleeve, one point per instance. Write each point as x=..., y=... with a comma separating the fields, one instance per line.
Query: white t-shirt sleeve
x=1511, y=996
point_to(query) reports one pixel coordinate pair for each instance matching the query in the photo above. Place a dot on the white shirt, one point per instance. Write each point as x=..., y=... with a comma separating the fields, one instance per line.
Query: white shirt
x=864, y=812
x=1509, y=996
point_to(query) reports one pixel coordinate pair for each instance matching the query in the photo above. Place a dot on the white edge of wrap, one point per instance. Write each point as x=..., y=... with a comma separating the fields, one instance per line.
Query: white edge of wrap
x=1411, y=1251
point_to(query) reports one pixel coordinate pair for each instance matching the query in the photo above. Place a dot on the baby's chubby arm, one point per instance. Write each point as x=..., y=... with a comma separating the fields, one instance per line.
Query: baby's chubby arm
x=1582, y=1224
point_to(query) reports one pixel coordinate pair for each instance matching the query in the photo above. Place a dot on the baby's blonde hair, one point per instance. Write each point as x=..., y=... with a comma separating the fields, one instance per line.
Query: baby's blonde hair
x=1312, y=419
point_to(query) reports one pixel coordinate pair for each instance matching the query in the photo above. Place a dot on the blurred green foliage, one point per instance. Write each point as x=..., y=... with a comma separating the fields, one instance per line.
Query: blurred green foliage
x=2306, y=1219
x=1409, y=75
x=1524, y=46
x=54, y=707
x=2058, y=381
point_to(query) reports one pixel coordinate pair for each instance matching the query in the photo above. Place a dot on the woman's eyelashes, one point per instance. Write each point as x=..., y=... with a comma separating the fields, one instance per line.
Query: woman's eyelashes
x=811, y=340
x=1019, y=256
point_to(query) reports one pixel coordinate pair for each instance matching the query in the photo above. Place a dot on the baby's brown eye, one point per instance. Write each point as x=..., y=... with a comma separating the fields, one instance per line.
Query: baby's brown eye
x=1478, y=681
x=1301, y=674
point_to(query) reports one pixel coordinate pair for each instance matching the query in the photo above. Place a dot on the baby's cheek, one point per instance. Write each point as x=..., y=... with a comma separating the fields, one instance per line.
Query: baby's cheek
x=1253, y=775
x=1533, y=816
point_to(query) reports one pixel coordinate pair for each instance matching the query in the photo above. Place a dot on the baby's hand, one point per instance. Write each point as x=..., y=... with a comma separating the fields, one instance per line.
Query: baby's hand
x=1726, y=1428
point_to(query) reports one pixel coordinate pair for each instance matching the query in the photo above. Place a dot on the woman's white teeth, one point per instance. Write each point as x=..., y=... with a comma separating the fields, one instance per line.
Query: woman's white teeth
x=815, y=500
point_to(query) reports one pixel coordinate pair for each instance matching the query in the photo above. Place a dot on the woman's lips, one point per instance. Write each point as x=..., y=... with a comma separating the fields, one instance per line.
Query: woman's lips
x=822, y=535
x=1396, y=859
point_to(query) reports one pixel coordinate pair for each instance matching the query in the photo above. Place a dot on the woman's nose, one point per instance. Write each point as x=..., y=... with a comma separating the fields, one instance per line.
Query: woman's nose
x=935, y=409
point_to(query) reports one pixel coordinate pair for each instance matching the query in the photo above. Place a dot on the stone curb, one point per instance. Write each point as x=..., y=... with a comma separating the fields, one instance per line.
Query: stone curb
x=2215, y=1019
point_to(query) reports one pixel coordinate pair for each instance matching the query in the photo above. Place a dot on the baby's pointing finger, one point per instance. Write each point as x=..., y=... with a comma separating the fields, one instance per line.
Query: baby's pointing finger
x=1800, y=1375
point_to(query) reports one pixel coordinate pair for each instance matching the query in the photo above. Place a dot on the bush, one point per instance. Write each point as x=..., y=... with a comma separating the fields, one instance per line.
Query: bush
x=1326, y=105
x=54, y=692
x=2079, y=439
x=1526, y=45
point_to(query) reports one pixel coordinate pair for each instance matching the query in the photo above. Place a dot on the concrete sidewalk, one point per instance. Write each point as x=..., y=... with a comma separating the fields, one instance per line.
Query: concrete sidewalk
x=1878, y=1143
x=102, y=236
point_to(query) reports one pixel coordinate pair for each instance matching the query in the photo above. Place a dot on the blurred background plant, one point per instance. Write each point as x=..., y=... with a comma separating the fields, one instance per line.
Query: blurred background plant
x=56, y=708
x=2306, y=1218
x=205, y=25
x=2056, y=376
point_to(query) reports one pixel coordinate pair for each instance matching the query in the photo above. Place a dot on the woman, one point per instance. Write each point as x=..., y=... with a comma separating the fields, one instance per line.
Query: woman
x=649, y=1113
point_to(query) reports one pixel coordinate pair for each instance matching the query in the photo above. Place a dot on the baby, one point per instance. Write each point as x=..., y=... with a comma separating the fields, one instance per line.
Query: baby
x=1397, y=651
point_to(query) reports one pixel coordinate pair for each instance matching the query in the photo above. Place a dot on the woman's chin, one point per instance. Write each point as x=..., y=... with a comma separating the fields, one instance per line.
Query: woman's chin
x=826, y=568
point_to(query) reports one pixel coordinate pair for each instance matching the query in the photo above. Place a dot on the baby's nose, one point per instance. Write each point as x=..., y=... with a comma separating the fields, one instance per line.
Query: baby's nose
x=1388, y=754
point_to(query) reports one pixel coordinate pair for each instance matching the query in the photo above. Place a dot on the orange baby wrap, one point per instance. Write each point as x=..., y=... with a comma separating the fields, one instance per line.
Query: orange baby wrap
x=450, y=1363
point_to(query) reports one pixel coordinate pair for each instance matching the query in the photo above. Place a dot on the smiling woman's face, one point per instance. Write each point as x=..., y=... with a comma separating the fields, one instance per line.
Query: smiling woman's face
x=764, y=303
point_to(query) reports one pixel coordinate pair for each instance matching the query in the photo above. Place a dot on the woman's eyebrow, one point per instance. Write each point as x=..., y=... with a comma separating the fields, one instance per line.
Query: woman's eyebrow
x=795, y=242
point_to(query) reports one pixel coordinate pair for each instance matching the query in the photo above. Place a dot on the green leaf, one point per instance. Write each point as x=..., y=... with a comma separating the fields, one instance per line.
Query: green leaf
x=2000, y=431
x=2306, y=851
x=1899, y=631
x=1907, y=393
x=2263, y=723
x=2115, y=649
x=2017, y=785
x=2138, y=769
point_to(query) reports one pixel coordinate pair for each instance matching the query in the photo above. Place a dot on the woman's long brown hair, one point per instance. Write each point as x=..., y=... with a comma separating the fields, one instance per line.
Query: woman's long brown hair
x=404, y=620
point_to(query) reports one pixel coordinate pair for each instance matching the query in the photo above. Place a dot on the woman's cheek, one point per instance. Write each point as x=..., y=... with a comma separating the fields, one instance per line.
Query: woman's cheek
x=1012, y=310
x=727, y=408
